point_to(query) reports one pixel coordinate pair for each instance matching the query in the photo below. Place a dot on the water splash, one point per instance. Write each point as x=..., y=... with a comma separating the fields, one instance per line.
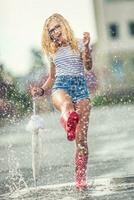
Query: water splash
x=15, y=179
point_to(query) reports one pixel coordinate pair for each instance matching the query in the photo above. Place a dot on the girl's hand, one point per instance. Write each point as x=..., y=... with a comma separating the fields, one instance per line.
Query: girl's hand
x=86, y=38
x=36, y=91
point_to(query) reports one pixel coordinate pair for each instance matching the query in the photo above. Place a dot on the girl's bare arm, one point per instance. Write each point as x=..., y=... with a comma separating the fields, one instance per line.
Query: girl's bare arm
x=39, y=91
x=86, y=53
x=51, y=78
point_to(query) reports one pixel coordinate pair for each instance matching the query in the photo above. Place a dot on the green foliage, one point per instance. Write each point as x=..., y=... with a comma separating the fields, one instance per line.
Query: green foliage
x=112, y=99
x=37, y=58
x=21, y=101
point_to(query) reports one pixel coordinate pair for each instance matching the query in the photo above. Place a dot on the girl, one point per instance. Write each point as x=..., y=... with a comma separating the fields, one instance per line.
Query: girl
x=69, y=58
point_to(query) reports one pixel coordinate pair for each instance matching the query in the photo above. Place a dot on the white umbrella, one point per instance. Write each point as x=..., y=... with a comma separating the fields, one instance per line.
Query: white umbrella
x=35, y=124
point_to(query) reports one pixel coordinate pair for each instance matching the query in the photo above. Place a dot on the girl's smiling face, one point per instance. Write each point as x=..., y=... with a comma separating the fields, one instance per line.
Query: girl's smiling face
x=55, y=31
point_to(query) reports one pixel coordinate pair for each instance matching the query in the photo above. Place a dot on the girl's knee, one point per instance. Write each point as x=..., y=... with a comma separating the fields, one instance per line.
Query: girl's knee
x=67, y=105
x=84, y=112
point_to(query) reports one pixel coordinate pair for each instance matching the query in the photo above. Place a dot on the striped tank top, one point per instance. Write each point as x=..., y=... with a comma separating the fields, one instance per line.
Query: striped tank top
x=68, y=62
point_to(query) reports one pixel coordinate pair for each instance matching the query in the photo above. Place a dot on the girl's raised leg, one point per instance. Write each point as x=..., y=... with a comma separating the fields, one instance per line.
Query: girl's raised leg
x=69, y=118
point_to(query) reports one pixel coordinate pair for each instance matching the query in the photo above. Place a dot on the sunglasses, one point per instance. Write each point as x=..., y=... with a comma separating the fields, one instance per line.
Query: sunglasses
x=51, y=31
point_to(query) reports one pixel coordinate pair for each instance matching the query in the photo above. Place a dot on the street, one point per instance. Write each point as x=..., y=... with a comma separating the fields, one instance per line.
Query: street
x=110, y=167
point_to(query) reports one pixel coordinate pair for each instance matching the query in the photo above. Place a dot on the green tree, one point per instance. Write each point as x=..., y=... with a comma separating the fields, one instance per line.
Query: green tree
x=37, y=59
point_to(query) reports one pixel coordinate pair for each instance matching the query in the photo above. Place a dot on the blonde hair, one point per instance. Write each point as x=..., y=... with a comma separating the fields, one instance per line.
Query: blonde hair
x=48, y=45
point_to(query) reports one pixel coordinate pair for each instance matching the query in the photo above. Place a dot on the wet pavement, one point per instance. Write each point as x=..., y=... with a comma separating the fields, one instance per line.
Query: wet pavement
x=111, y=160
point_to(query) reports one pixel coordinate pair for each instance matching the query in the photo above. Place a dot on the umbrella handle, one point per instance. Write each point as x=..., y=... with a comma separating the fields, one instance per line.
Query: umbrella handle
x=34, y=107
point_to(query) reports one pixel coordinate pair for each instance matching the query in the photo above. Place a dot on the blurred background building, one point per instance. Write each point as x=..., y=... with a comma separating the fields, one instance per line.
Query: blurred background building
x=114, y=50
x=111, y=25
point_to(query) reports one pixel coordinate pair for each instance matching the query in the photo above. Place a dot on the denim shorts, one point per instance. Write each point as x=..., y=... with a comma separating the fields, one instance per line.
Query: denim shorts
x=75, y=86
